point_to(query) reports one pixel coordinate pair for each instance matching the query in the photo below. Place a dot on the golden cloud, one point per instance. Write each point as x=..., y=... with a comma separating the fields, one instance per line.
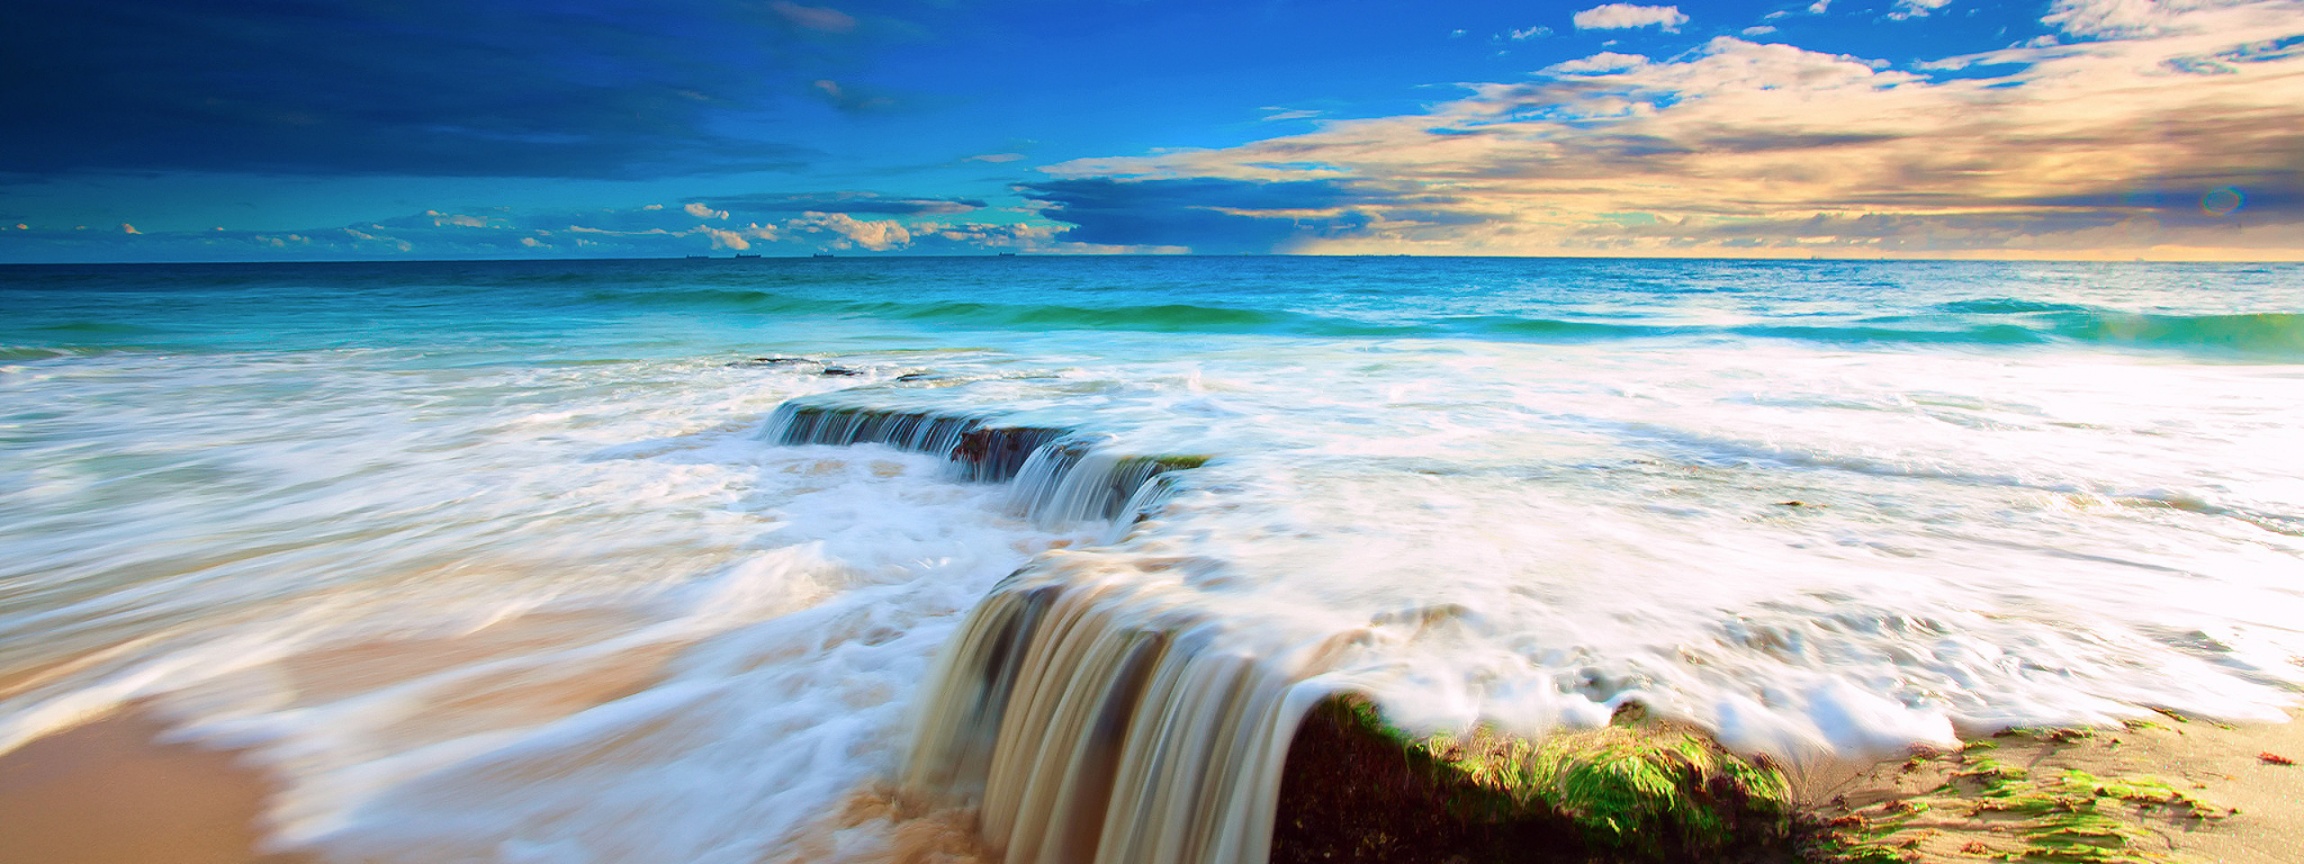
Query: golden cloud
x=2178, y=133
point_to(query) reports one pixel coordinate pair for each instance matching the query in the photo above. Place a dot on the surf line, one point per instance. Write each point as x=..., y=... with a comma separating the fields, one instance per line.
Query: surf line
x=1093, y=709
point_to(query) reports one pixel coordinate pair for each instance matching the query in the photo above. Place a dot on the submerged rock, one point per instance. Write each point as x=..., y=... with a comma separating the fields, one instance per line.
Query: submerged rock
x=998, y=453
x=1359, y=790
x=769, y=362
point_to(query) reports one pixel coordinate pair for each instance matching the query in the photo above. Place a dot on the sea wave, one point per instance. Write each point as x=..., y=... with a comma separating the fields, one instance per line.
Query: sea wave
x=1984, y=322
x=2261, y=333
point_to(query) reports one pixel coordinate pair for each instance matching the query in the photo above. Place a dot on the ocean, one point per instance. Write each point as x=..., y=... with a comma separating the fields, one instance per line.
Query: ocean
x=676, y=561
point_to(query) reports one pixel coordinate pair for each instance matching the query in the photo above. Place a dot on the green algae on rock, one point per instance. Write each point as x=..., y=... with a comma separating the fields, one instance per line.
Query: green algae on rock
x=1358, y=789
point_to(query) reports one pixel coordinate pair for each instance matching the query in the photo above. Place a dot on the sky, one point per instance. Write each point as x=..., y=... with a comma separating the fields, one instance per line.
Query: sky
x=252, y=130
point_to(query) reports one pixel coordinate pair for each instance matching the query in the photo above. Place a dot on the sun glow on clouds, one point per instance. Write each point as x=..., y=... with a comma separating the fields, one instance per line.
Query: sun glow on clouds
x=2099, y=149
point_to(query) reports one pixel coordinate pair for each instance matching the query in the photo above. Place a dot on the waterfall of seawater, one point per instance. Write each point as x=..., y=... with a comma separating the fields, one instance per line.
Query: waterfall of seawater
x=1087, y=717
x=1085, y=713
x=1058, y=475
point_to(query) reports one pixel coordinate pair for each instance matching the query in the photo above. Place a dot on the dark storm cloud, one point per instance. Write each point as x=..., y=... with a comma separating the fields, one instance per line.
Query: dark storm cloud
x=834, y=202
x=1205, y=214
x=594, y=88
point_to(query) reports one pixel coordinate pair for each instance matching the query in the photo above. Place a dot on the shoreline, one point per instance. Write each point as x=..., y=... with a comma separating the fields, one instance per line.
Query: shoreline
x=2191, y=789
x=110, y=791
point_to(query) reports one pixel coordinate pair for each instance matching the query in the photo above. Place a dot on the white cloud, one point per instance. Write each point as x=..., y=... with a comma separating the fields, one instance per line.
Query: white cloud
x=993, y=235
x=1603, y=63
x=126, y=228
x=1280, y=113
x=2132, y=19
x=1537, y=32
x=460, y=220
x=1761, y=30
x=1621, y=16
x=824, y=18
x=995, y=157
x=1906, y=9
x=701, y=210
x=1819, y=7
x=738, y=240
x=878, y=235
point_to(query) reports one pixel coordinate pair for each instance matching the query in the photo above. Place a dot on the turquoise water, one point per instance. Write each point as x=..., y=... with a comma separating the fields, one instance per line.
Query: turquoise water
x=500, y=561
x=618, y=308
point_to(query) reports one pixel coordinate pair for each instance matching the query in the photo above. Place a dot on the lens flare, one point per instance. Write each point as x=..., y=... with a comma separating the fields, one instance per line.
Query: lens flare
x=2222, y=201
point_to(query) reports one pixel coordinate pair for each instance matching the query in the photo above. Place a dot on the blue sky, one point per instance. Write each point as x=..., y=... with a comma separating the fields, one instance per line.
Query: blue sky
x=298, y=129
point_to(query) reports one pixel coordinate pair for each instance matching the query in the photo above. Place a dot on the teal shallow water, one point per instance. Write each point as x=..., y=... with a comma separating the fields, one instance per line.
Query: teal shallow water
x=2029, y=493
x=2211, y=310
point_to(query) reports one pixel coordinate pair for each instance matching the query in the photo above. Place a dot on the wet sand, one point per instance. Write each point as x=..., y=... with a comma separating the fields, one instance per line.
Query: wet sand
x=2252, y=806
x=107, y=792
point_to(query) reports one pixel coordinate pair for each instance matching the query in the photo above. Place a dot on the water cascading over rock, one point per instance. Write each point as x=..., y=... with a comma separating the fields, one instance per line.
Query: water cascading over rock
x=1094, y=710
x=1087, y=713
x=1058, y=475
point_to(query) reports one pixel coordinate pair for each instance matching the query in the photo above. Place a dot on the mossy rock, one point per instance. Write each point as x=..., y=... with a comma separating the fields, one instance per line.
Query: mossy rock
x=1358, y=789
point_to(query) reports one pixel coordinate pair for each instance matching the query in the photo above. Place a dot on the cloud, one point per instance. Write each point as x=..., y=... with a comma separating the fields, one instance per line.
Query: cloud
x=995, y=157
x=979, y=235
x=1761, y=30
x=1525, y=34
x=2098, y=149
x=878, y=235
x=1907, y=9
x=652, y=230
x=739, y=240
x=1623, y=16
x=507, y=88
x=823, y=18
x=849, y=97
x=1207, y=215
x=777, y=204
x=2119, y=19
x=1279, y=113
x=1603, y=63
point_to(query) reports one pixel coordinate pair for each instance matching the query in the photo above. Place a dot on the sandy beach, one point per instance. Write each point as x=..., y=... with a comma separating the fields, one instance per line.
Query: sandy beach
x=2232, y=803
x=110, y=792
